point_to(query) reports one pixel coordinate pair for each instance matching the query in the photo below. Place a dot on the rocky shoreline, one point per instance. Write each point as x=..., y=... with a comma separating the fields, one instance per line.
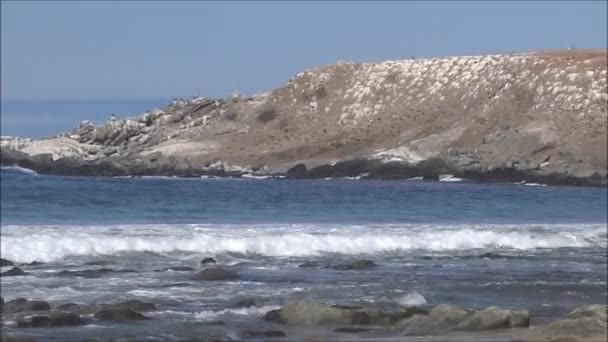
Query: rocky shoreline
x=353, y=169
x=537, y=117
x=328, y=321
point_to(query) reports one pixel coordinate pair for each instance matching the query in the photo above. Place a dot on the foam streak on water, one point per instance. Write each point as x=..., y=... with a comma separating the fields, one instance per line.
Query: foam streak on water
x=49, y=243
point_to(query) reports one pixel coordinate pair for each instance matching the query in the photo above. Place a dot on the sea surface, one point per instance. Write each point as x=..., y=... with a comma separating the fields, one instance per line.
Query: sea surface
x=473, y=245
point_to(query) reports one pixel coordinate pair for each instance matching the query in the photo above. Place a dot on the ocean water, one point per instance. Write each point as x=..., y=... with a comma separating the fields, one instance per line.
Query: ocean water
x=473, y=245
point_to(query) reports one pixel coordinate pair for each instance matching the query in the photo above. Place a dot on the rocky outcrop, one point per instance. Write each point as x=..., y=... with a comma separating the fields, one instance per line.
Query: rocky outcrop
x=585, y=320
x=539, y=117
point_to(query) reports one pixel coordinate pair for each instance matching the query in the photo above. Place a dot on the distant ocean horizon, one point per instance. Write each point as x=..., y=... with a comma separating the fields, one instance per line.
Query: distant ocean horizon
x=46, y=118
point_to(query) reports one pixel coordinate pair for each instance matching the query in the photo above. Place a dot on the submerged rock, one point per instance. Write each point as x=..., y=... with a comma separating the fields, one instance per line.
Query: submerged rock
x=120, y=315
x=245, y=303
x=355, y=265
x=53, y=320
x=68, y=306
x=133, y=304
x=21, y=304
x=215, y=274
x=34, y=263
x=13, y=272
x=310, y=264
x=90, y=274
x=208, y=261
x=263, y=333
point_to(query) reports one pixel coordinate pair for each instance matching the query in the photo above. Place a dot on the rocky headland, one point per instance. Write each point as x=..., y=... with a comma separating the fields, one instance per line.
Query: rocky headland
x=535, y=117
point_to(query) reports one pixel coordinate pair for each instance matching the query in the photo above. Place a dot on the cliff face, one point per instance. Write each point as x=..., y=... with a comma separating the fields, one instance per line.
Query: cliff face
x=537, y=116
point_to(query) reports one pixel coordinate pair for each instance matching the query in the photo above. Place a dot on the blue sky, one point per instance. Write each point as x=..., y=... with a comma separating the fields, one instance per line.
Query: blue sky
x=149, y=50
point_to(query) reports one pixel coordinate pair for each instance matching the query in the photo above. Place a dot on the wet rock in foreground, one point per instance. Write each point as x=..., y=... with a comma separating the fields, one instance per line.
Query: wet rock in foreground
x=308, y=313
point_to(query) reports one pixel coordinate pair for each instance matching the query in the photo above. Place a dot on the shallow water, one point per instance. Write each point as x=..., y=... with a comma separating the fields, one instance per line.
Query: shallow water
x=473, y=245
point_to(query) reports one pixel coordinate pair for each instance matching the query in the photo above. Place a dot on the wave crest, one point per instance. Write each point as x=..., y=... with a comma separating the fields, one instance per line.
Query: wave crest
x=27, y=244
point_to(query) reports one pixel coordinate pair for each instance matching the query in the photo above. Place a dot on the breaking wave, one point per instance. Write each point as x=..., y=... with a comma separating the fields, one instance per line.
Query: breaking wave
x=20, y=169
x=48, y=243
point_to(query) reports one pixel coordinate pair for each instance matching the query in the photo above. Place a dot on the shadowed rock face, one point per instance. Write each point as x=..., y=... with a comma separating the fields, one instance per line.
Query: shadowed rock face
x=541, y=117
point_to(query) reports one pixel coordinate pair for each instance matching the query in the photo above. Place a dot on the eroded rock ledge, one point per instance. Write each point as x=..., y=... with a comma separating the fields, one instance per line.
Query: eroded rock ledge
x=538, y=117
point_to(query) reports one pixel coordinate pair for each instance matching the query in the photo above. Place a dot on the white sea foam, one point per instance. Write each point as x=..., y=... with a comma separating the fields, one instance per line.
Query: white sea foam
x=449, y=178
x=20, y=169
x=535, y=184
x=250, y=176
x=250, y=311
x=412, y=298
x=49, y=243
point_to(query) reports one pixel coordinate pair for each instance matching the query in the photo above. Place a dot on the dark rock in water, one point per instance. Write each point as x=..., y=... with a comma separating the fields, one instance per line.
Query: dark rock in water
x=351, y=330
x=22, y=304
x=218, y=322
x=177, y=269
x=5, y=262
x=298, y=171
x=274, y=316
x=98, y=263
x=310, y=264
x=1, y=301
x=355, y=265
x=121, y=315
x=68, y=306
x=14, y=272
x=263, y=333
x=133, y=304
x=34, y=263
x=363, y=264
x=215, y=274
x=90, y=274
x=52, y=320
x=175, y=285
x=208, y=261
x=245, y=303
